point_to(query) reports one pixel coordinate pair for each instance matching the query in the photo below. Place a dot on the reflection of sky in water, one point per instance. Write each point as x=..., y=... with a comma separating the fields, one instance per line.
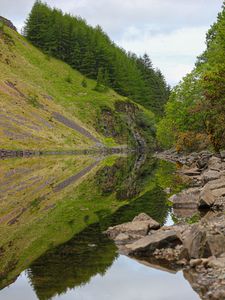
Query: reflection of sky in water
x=125, y=280
x=169, y=220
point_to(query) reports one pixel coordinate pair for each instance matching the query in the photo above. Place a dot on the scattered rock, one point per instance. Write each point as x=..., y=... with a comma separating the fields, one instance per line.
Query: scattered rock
x=197, y=248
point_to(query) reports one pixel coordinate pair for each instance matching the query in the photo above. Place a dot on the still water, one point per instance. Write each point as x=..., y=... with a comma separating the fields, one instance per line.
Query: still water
x=53, y=211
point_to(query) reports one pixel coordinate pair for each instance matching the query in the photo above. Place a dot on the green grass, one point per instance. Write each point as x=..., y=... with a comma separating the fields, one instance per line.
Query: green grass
x=38, y=229
x=48, y=85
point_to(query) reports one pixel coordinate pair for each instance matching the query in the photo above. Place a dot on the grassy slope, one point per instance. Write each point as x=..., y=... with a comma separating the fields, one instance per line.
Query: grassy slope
x=52, y=218
x=44, y=85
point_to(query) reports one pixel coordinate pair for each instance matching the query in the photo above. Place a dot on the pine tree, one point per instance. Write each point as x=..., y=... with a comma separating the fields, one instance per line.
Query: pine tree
x=90, y=51
x=100, y=84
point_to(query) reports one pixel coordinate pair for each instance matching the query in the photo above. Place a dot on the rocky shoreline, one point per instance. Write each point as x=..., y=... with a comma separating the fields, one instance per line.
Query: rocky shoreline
x=4, y=154
x=198, y=249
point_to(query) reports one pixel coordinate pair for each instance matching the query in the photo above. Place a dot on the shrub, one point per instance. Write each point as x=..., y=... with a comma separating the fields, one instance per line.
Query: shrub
x=192, y=141
x=84, y=82
x=68, y=78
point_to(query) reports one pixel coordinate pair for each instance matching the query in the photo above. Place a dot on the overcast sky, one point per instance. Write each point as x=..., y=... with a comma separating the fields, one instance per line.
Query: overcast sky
x=172, y=32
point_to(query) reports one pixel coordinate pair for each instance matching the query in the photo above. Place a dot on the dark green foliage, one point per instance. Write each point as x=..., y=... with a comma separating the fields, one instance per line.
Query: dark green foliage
x=84, y=82
x=90, y=51
x=102, y=80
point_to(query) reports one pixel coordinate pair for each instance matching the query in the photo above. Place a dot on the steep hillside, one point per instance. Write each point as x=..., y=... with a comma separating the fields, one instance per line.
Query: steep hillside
x=45, y=104
x=92, y=52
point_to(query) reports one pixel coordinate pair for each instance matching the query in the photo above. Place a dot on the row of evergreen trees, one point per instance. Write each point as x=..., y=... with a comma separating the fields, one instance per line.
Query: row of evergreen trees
x=90, y=51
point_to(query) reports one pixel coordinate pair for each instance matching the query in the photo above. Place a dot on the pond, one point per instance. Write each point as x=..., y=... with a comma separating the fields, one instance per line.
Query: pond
x=53, y=212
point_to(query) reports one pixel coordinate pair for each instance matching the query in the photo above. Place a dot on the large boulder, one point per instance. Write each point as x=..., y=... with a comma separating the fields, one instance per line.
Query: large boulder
x=206, y=238
x=157, y=240
x=186, y=199
x=216, y=164
x=210, y=175
x=140, y=226
x=211, y=192
x=206, y=199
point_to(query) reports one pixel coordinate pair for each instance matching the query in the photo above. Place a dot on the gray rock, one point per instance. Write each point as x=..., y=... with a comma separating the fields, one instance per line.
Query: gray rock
x=186, y=199
x=192, y=172
x=206, y=199
x=215, y=163
x=148, y=244
x=211, y=192
x=123, y=239
x=210, y=175
x=140, y=225
x=222, y=154
x=219, y=192
x=145, y=217
x=202, y=162
x=206, y=238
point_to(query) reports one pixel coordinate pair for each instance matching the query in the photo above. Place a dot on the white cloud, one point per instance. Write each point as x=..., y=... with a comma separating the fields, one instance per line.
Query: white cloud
x=174, y=53
x=172, y=32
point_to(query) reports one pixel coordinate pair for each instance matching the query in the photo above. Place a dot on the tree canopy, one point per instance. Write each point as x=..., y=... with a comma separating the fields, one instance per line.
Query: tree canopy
x=195, y=112
x=90, y=51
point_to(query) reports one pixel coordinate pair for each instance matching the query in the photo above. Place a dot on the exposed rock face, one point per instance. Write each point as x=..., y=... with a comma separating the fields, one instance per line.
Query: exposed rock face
x=8, y=23
x=126, y=129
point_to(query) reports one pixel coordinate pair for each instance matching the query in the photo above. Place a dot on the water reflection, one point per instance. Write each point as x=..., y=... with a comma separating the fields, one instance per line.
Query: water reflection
x=87, y=254
x=54, y=210
x=125, y=280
